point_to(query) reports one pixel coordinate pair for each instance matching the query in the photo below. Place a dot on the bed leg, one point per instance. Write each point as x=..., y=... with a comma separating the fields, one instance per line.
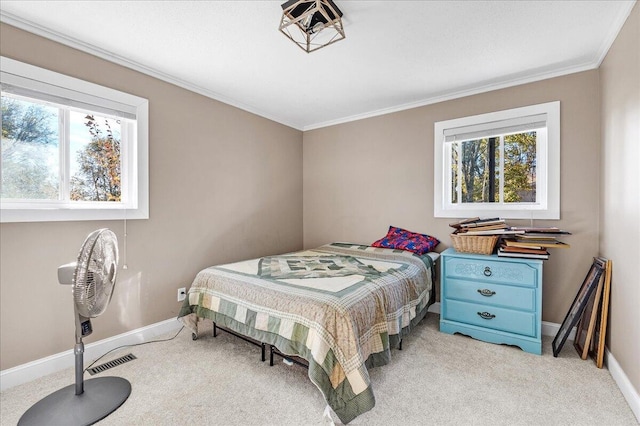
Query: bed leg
x=215, y=330
x=400, y=345
x=263, y=351
x=271, y=355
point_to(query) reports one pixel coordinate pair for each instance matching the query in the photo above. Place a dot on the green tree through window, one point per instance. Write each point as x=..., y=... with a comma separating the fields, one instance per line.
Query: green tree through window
x=98, y=177
x=520, y=167
x=29, y=149
x=477, y=166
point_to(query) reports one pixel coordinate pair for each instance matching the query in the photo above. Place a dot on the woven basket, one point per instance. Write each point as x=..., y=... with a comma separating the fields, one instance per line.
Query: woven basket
x=479, y=244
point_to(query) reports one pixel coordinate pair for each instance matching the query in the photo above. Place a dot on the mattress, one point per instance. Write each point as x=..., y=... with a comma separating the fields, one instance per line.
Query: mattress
x=341, y=307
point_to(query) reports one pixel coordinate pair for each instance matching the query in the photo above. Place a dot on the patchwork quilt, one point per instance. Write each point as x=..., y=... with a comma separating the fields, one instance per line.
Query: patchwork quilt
x=342, y=307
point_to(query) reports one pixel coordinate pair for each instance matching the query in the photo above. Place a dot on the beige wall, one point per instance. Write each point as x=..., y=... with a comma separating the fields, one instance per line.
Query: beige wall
x=363, y=176
x=620, y=192
x=228, y=185
x=225, y=185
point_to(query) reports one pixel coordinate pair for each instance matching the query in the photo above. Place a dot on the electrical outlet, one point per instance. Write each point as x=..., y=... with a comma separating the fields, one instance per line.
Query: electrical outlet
x=182, y=294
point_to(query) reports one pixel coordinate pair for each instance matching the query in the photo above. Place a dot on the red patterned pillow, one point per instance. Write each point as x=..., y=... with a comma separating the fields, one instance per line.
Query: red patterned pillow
x=398, y=238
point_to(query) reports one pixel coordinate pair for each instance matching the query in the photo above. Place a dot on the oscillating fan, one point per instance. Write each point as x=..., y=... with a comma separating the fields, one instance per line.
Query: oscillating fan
x=93, y=277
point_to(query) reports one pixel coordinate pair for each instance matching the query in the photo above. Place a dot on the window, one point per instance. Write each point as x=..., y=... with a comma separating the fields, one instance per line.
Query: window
x=504, y=163
x=71, y=150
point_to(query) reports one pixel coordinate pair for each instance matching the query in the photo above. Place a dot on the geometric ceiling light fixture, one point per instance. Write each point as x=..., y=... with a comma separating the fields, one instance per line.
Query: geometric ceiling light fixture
x=312, y=24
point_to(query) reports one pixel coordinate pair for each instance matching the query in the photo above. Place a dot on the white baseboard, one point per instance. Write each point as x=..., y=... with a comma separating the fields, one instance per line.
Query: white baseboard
x=617, y=373
x=32, y=370
x=623, y=382
x=551, y=329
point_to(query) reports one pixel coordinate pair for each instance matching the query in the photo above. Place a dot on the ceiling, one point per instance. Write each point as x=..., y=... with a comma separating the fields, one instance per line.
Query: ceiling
x=396, y=55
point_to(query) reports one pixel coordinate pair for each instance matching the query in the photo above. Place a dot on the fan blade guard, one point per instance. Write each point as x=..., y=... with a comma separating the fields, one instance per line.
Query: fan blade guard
x=96, y=273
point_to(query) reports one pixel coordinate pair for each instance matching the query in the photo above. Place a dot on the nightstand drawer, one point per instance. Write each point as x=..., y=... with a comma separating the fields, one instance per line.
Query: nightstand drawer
x=491, y=294
x=491, y=271
x=508, y=320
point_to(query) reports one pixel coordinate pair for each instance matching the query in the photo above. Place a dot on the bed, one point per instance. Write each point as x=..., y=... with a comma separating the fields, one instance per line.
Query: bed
x=341, y=307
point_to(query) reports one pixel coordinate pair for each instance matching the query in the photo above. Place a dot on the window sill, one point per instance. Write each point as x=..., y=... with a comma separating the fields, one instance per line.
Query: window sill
x=75, y=214
x=505, y=213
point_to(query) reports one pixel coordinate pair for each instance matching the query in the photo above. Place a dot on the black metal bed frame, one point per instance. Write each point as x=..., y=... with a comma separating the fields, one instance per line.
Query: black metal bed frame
x=272, y=349
x=263, y=346
x=295, y=359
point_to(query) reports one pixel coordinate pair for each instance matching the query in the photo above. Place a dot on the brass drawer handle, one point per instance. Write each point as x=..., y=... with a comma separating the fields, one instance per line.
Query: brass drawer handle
x=486, y=315
x=487, y=271
x=486, y=292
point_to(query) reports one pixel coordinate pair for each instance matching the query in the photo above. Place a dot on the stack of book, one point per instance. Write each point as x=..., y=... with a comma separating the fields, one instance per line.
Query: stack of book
x=477, y=226
x=532, y=243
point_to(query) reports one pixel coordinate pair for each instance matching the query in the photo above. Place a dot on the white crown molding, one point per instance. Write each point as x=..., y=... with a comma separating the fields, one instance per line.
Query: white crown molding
x=473, y=90
x=592, y=64
x=41, y=367
x=614, y=31
x=58, y=37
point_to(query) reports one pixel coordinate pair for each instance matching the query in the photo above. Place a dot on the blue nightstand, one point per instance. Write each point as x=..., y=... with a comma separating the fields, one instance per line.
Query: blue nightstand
x=491, y=298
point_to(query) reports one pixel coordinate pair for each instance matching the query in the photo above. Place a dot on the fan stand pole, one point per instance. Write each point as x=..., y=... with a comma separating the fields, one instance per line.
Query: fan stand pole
x=78, y=350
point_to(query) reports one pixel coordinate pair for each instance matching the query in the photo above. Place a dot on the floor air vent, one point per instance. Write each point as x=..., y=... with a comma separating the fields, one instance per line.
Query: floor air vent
x=113, y=363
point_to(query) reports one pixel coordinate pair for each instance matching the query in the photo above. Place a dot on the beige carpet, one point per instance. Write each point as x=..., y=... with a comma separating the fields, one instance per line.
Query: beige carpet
x=437, y=379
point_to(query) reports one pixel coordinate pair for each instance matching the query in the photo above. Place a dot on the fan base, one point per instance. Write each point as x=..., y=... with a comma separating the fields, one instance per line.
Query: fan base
x=101, y=397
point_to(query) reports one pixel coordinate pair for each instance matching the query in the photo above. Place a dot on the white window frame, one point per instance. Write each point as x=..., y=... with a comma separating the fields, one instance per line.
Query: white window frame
x=134, y=149
x=547, y=205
